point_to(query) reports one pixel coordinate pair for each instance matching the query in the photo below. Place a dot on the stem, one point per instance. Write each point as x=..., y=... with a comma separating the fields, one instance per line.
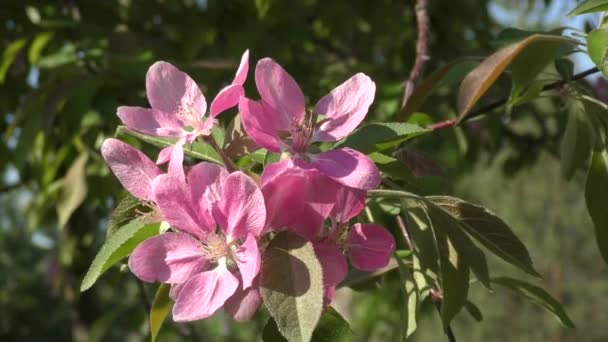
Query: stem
x=422, y=19
x=449, y=332
x=392, y=194
x=228, y=163
x=499, y=103
x=406, y=235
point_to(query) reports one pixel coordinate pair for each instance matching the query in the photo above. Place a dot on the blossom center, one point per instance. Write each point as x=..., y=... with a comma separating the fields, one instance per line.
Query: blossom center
x=188, y=115
x=301, y=132
x=215, y=247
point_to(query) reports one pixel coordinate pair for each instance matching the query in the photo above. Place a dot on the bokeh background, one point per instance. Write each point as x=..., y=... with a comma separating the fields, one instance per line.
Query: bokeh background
x=66, y=65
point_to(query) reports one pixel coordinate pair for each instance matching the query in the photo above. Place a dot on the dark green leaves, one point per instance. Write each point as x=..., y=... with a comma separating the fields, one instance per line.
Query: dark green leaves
x=8, y=56
x=589, y=6
x=597, y=46
x=489, y=230
x=596, y=195
x=381, y=136
x=576, y=144
x=292, y=286
x=331, y=328
x=117, y=247
x=536, y=295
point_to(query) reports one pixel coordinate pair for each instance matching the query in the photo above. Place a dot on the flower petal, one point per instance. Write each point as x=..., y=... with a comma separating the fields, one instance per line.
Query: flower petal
x=176, y=160
x=334, y=267
x=175, y=289
x=279, y=90
x=349, y=203
x=177, y=207
x=369, y=246
x=262, y=124
x=274, y=169
x=244, y=303
x=164, y=155
x=134, y=170
x=169, y=258
x=241, y=72
x=169, y=89
x=249, y=260
x=349, y=167
x=150, y=121
x=241, y=207
x=299, y=200
x=227, y=98
x=204, y=180
x=344, y=108
x=204, y=294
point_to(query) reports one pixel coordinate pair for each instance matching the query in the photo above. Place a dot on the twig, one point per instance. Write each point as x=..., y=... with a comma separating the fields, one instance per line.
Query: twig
x=404, y=232
x=422, y=43
x=499, y=103
x=228, y=163
x=436, y=297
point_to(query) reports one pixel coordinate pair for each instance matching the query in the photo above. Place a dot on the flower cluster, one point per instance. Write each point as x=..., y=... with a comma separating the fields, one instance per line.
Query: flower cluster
x=212, y=254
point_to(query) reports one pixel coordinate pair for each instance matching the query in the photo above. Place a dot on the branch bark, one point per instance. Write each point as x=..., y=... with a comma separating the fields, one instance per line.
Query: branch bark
x=422, y=19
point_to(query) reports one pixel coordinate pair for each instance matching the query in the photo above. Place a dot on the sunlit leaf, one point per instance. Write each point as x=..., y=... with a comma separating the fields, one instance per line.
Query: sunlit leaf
x=9, y=55
x=161, y=305
x=537, y=296
x=380, y=136
x=589, y=6
x=597, y=46
x=117, y=247
x=478, y=81
x=292, y=286
x=491, y=231
x=596, y=196
x=74, y=189
x=410, y=297
x=331, y=328
x=38, y=44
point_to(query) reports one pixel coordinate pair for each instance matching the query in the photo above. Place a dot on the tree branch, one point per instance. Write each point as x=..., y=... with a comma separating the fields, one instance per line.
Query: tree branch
x=422, y=18
x=499, y=103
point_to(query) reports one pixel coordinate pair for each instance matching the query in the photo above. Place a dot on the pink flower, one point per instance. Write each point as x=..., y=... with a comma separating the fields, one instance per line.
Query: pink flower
x=279, y=122
x=207, y=267
x=312, y=198
x=179, y=107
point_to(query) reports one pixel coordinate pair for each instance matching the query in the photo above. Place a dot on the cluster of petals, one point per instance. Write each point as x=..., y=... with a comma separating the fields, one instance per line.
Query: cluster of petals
x=212, y=255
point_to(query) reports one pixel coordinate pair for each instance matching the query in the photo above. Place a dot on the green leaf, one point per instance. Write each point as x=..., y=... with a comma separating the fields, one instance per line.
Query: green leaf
x=237, y=143
x=454, y=278
x=381, y=136
x=565, y=68
x=576, y=146
x=38, y=44
x=410, y=296
x=127, y=209
x=74, y=189
x=473, y=257
x=161, y=305
x=9, y=55
x=474, y=311
x=117, y=247
x=479, y=81
x=491, y=231
x=331, y=328
x=262, y=7
x=597, y=46
x=292, y=286
x=589, y=6
x=596, y=196
x=537, y=296
x=196, y=150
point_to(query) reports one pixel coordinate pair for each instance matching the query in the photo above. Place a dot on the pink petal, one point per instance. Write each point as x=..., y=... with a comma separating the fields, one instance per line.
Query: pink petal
x=204, y=293
x=134, y=170
x=150, y=121
x=262, y=124
x=204, y=180
x=369, y=246
x=241, y=207
x=169, y=89
x=349, y=167
x=177, y=207
x=274, y=169
x=334, y=267
x=226, y=99
x=299, y=200
x=349, y=203
x=241, y=72
x=169, y=258
x=175, y=289
x=279, y=90
x=244, y=303
x=176, y=160
x=249, y=259
x=344, y=108
x=164, y=155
